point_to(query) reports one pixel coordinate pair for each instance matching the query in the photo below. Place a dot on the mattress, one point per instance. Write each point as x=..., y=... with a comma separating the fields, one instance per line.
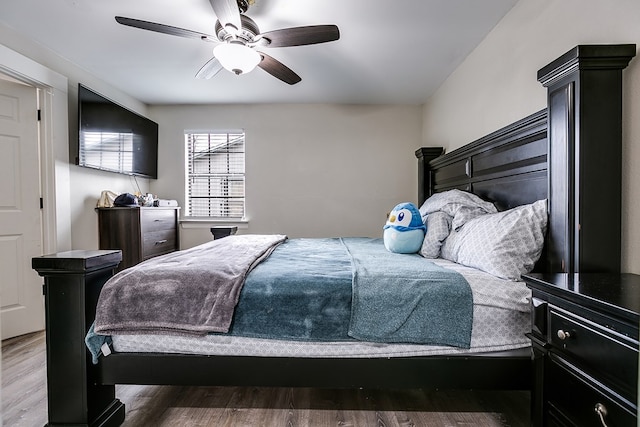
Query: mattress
x=500, y=321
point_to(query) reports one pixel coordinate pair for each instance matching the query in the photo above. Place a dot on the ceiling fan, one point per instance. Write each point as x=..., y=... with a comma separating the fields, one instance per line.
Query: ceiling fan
x=237, y=38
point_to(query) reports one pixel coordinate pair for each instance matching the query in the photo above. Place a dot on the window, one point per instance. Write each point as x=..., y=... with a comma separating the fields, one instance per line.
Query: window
x=215, y=174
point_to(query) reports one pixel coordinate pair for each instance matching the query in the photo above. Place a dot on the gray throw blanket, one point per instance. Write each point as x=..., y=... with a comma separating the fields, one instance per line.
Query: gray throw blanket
x=194, y=291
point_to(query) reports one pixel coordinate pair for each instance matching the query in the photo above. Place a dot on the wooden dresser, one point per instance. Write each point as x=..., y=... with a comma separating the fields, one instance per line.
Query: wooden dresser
x=584, y=333
x=141, y=233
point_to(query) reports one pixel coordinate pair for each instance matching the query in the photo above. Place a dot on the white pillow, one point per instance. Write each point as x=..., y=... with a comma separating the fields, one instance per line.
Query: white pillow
x=506, y=244
x=460, y=205
x=438, y=226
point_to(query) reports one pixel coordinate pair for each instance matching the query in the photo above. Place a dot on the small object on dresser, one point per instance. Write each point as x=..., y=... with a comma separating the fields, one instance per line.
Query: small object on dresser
x=125, y=200
x=107, y=198
x=146, y=200
x=164, y=203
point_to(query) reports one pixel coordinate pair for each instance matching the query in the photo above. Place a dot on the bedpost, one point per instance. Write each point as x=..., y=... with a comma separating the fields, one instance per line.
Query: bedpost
x=425, y=184
x=72, y=284
x=584, y=96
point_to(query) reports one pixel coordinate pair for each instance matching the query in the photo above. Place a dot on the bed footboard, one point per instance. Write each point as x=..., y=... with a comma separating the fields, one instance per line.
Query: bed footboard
x=507, y=370
x=72, y=284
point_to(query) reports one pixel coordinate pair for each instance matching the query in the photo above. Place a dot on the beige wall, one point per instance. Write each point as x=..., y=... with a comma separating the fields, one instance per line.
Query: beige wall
x=312, y=170
x=497, y=84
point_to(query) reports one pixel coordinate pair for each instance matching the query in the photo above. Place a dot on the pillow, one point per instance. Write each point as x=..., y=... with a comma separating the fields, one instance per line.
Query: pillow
x=460, y=205
x=438, y=226
x=506, y=244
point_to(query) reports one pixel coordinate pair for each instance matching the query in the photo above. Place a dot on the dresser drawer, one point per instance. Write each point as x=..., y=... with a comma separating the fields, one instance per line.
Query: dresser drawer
x=158, y=243
x=595, y=347
x=153, y=219
x=572, y=399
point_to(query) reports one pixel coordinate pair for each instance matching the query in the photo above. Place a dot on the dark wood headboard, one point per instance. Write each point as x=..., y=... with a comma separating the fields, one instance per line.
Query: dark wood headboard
x=507, y=167
x=569, y=153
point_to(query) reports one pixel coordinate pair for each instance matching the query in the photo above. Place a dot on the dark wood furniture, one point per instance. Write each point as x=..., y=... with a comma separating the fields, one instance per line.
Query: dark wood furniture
x=139, y=232
x=220, y=231
x=585, y=344
x=584, y=92
x=508, y=167
x=72, y=284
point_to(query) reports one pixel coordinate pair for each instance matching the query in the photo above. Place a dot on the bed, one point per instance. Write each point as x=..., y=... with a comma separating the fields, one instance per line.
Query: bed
x=508, y=168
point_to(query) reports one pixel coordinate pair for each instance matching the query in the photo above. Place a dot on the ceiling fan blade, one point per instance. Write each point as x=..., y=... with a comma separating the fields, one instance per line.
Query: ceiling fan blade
x=210, y=69
x=165, y=29
x=299, y=36
x=227, y=12
x=278, y=70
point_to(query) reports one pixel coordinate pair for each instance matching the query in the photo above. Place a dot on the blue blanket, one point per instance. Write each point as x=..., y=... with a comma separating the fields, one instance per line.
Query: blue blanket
x=301, y=292
x=314, y=290
x=406, y=298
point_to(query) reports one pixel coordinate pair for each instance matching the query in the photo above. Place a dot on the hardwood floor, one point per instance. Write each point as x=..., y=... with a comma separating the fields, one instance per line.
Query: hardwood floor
x=24, y=395
x=24, y=402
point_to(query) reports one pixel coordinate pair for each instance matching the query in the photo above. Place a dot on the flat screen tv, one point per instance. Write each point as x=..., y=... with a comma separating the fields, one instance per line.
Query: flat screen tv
x=113, y=138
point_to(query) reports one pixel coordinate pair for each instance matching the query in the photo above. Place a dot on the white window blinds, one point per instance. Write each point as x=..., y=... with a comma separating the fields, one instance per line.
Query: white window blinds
x=215, y=174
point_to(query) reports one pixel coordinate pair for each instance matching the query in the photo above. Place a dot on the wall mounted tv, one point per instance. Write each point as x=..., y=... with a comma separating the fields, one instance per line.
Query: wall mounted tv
x=113, y=138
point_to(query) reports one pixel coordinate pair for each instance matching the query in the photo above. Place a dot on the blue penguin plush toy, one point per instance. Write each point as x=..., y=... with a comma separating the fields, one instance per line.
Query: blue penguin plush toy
x=404, y=230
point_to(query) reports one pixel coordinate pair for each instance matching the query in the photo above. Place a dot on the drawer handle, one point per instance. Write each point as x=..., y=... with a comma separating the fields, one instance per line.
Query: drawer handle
x=160, y=242
x=602, y=412
x=564, y=335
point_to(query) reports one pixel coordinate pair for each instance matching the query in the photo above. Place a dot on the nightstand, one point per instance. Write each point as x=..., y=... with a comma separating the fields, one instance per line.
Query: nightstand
x=221, y=231
x=584, y=335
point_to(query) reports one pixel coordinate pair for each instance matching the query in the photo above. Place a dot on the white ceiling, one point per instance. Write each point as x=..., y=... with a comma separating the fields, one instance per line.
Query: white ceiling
x=389, y=52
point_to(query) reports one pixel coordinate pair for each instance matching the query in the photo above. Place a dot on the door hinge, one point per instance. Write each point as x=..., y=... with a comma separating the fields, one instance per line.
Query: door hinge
x=39, y=114
x=41, y=203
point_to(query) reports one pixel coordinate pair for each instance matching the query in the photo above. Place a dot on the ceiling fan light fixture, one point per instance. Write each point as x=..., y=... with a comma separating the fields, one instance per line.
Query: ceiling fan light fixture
x=236, y=57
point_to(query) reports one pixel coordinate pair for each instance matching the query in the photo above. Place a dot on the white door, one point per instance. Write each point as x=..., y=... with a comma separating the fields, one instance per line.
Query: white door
x=21, y=300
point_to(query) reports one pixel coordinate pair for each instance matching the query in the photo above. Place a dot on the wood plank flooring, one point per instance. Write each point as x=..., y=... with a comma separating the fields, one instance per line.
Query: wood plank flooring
x=24, y=402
